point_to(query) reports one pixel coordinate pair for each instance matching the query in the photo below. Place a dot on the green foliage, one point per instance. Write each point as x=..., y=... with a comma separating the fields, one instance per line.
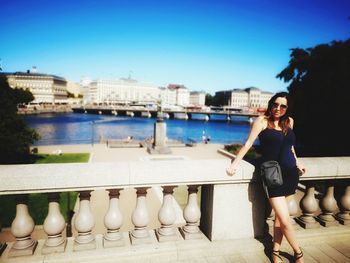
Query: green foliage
x=208, y=99
x=251, y=155
x=37, y=206
x=319, y=83
x=62, y=158
x=15, y=135
x=38, y=203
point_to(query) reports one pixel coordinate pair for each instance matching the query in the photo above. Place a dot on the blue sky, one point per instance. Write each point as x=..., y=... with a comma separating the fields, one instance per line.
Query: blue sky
x=205, y=45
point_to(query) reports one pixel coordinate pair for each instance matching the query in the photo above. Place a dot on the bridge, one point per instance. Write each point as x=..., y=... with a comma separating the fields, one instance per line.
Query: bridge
x=167, y=114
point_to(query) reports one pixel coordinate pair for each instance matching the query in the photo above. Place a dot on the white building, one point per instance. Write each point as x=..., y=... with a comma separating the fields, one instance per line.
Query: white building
x=252, y=98
x=239, y=99
x=197, y=98
x=168, y=97
x=46, y=89
x=182, y=94
x=122, y=91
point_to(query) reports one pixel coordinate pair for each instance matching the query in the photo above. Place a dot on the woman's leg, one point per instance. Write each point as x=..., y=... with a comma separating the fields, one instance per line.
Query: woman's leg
x=277, y=235
x=277, y=240
x=280, y=206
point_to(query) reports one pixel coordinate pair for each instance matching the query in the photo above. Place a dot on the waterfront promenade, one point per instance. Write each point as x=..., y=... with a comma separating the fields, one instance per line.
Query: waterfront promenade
x=329, y=244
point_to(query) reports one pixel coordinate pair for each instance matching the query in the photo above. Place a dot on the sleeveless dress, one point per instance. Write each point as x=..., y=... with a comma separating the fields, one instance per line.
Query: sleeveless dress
x=277, y=146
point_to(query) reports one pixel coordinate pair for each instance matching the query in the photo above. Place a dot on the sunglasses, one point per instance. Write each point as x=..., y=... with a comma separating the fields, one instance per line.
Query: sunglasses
x=282, y=106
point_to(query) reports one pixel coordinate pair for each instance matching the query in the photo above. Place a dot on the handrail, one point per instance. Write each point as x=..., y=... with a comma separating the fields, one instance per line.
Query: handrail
x=34, y=178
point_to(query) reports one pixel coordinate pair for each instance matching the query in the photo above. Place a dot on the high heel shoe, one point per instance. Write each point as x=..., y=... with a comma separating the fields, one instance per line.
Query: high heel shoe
x=298, y=255
x=276, y=253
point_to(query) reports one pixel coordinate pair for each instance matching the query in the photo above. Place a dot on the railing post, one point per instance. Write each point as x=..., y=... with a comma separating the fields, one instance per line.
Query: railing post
x=192, y=215
x=140, y=219
x=167, y=217
x=344, y=215
x=84, y=222
x=113, y=221
x=309, y=206
x=53, y=226
x=22, y=228
x=328, y=206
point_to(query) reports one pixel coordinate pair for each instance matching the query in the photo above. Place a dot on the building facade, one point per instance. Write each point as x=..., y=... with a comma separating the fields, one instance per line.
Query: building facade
x=122, y=91
x=168, y=97
x=197, y=98
x=252, y=98
x=46, y=89
x=182, y=94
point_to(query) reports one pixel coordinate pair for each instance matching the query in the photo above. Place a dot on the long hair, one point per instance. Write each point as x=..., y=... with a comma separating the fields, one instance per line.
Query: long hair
x=284, y=121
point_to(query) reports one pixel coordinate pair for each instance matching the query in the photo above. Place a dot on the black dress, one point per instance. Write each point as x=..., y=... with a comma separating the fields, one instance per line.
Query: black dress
x=277, y=146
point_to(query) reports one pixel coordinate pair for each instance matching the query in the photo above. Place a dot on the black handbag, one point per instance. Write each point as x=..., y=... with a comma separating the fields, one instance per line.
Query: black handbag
x=271, y=174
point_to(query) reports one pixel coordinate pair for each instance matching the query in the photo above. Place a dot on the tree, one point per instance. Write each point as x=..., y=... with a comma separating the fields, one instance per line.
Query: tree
x=319, y=84
x=15, y=136
x=208, y=99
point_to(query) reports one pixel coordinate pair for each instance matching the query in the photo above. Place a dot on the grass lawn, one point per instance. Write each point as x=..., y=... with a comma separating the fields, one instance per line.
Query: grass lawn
x=38, y=203
x=62, y=158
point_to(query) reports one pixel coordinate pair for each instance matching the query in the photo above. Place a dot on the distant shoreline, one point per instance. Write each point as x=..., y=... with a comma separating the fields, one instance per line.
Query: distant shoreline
x=39, y=109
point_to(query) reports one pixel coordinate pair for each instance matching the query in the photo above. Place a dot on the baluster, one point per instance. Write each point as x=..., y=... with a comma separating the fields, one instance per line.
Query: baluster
x=309, y=206
x=84, y=222
x=113, y=221
x=140, y=219
x=344, y=215
x=192, y=215
x=22, y=228
x=293, y=211
x=53, y=226
x=328, y=206
x=167, y=217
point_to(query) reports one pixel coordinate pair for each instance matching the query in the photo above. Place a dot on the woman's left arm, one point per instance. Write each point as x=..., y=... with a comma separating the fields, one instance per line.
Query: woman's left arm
x=300, y=166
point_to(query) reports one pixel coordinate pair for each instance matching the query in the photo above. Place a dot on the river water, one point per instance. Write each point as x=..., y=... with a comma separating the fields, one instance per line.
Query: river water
x=78, y=128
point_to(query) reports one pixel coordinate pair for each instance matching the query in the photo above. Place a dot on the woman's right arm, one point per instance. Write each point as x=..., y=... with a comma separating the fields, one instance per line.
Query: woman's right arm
x=257, y=127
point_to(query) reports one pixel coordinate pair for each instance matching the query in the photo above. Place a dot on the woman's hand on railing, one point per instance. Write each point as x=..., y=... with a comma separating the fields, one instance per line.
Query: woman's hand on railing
x=231, y=170
x=301, y=169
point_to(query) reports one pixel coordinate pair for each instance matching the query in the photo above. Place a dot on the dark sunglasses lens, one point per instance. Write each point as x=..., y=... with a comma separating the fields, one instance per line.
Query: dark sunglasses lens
x=282, y=106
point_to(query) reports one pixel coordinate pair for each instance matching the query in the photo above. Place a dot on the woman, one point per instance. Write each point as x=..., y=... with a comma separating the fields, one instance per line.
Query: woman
x=277, y=141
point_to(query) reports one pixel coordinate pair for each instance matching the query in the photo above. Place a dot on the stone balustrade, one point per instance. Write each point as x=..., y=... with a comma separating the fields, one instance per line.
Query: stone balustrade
x=230, y=207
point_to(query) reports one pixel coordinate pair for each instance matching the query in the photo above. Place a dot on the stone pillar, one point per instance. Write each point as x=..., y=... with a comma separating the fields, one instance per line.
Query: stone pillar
x=84, y=222
x=344, y=215
x=192, y=215
x=140, y=219
x=328, y=206
x=293, y=211
x=160, y=133
x=309, y=206
x=53, y=226
x=113, y=221
x=159, y=145
x=22, y=228
x=167, y=217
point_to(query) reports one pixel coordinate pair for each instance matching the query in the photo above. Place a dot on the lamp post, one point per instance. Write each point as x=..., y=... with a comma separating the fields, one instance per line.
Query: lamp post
x=92, y=133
